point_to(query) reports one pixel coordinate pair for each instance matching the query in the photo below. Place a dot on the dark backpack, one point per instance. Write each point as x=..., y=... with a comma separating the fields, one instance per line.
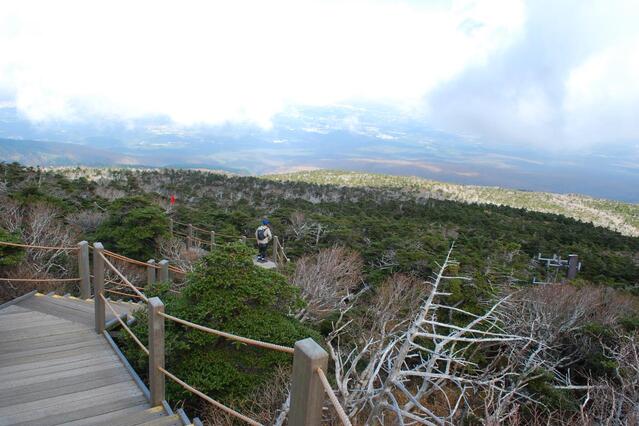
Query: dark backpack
x=260, y=234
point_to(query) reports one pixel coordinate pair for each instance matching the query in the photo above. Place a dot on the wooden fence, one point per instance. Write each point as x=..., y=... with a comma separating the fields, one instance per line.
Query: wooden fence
x=310, y=360
x=194, y=235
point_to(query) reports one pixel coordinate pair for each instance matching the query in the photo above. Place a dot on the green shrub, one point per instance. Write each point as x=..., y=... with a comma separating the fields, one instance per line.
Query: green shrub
x=133, y=227
x=630, y=323
x=226, y=292
x=10, y=255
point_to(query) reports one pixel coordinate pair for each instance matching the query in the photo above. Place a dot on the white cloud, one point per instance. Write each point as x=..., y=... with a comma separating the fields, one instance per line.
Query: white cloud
x=568, y=82
x=203, y=61
x=602, y=93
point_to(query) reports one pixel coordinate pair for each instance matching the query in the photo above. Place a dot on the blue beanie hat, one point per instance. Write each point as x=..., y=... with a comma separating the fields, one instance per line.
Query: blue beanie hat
x=265, y=222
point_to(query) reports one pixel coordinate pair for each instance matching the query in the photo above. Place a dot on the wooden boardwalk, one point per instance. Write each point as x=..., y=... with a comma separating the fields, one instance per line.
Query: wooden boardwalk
x=55, y=369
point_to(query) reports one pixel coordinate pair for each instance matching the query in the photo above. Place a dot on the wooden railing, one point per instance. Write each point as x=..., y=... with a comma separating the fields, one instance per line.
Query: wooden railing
x=192, y=235
x=310, y=360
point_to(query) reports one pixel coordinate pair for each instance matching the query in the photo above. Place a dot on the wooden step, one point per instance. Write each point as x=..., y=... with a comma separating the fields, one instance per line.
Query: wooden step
x=128, y=417
x=173, y=420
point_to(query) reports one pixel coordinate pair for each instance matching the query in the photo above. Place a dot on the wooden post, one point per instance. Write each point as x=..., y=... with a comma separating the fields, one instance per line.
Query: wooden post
x=150, y=272
x=307, y=392
x=164, y=271
x=212, y=240
x=156, y=351
x=189, y=238
x=276, y=242
x=98, y=287
x=171, y=227
x=84, y=270
x=573, y=263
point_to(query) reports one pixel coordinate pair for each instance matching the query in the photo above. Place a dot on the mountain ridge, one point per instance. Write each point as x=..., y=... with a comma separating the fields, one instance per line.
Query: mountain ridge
x=615, y=215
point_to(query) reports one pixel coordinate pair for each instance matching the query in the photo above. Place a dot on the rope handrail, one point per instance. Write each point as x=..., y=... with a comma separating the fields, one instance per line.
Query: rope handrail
x=123, y=278
x=129, y=260
x=41, y=280
x=200, y=240
x=121, y=293
x=119, y=284
x=176, y=269
x=331, y=395
x=281, y=247
x=197, y=228
x=209, y=399
x=117, y=316
x=140, y=263
x=6, y=243
x=230, y=236
x=230, y=336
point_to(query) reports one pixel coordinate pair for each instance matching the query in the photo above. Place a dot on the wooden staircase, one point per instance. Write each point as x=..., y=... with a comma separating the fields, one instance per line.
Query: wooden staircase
x=55, y=369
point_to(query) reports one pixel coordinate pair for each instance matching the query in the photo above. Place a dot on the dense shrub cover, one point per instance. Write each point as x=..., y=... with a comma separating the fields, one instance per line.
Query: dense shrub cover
x=133, y=227
x=226, y=292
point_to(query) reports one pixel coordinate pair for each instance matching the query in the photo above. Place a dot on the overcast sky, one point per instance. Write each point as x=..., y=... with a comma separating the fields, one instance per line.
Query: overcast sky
x=551, y=73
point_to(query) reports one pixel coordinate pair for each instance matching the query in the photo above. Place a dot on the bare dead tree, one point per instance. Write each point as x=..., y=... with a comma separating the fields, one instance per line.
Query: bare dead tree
x=388, y=260
x=552, y=317
x=87, y=220
x=388, y=374
x=327, y=280
x=615, y=401
x=40, y=224
x=174, y=250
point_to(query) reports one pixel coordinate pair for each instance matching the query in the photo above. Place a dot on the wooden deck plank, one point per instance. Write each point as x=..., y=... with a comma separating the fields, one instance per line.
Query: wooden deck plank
x=49, y=352
x=60, y=403
x=31, y=322
x=18, y=316
x=165, y=421
x=57, y=417
x=54, y=369
x=12, y=309
x=37, y=332
x=47, y=307
x=6, y=384
x=71, y=336
x=63, y=382
x=126, y=417
x=103, y=359
x=70, y=303
x=39, y=393
x=77, y=359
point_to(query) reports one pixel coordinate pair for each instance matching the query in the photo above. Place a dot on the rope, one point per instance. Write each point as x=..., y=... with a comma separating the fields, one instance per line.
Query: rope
x=38, y=280
x=177, y=270
x=200, y=241
x=120, y=284
x=120, y=293
x=182, y=234
x=199, y=229
x=228, y=236
x=281, y=247
x=331, y=395
x=209, y=399
x=128, y=259
x=229, y=335
x=5, y=243
x=123, y=278
x=117, y=316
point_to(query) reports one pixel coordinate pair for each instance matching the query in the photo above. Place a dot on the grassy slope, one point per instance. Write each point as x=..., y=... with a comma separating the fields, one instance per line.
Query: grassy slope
x=615, y=215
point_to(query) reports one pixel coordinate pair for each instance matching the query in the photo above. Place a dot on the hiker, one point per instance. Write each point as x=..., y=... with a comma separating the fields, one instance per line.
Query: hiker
x=263, y=236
